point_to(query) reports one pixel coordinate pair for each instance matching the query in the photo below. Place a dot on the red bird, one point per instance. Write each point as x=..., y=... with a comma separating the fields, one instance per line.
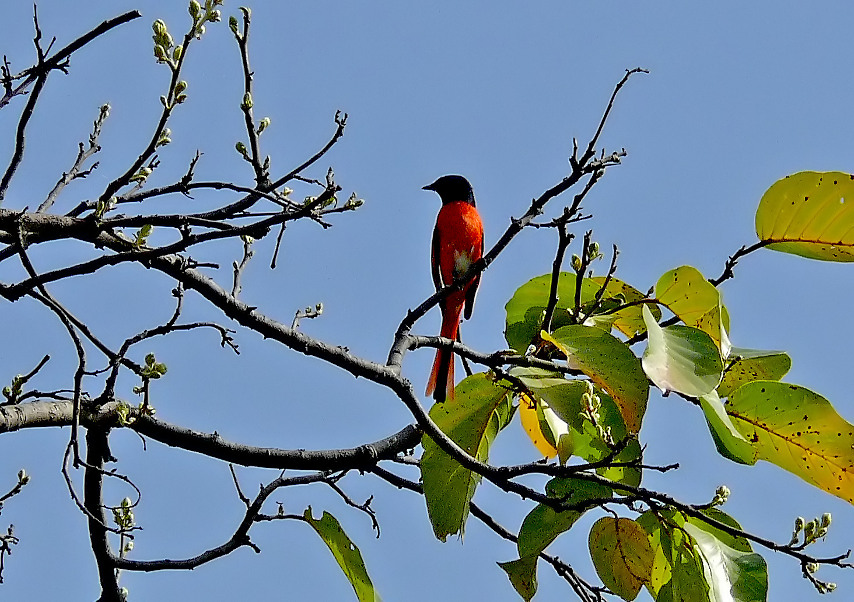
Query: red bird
x=457, y=244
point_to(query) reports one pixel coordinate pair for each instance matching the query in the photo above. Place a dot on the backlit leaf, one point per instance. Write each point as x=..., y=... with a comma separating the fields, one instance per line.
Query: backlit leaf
x=621, y=554
x=523, y=575
x=610, y=364
x=695, y=301
x=526, y=308
x=747, y=365
x=479, y=410
x=543, y=524
x=810, y=214
x=798, y=430
x=629, y=321
x=346, y=553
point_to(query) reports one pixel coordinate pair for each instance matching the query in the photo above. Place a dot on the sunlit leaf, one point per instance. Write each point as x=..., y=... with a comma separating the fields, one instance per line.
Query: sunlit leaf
x=346, y=554
x=543, y=524
x=677, y=573
x=531, y=423
x=728, y=440
x=621, y=554
x=523, y=575
x=558, y=402
x=681, y=358
x=810, y=214
x=732, y=575
x=798, y=430
x=526, y=308
x=629, y=321
x=695, y=301
x=747, y=365
x=610, y=364
x=480, y=409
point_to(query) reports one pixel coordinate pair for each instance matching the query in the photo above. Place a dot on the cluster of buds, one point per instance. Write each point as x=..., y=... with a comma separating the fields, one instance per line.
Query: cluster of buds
x=23, y=477
x=102, y=207
x=153, y=369
x=165, y=50
x=354, y=202
x=123, y=515
x=813, y=530
x=142, y=175
x=210, y=13
x=165, y=136
x=13, y=391
x=721, y=496
x=591, y=405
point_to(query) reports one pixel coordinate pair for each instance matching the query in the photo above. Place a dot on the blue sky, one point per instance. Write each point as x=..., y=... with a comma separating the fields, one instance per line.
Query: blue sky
x=738, y=95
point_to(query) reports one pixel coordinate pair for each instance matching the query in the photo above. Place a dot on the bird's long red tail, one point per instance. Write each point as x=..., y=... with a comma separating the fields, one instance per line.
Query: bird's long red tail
x=441, y=383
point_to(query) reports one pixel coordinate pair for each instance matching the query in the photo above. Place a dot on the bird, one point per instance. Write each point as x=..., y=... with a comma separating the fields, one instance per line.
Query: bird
x=457, y=245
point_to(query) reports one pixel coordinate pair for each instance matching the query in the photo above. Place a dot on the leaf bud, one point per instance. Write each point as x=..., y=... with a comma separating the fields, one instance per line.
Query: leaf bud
x=180, y=86
x=159, y=27
x=247, y=101
x=232, y=24
x=176, y=54
x=825, y=519
x=264, y=124
x=195, y=9
x=576, y=262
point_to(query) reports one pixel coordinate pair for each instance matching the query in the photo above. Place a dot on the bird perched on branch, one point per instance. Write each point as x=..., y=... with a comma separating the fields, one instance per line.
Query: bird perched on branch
x=457, y=245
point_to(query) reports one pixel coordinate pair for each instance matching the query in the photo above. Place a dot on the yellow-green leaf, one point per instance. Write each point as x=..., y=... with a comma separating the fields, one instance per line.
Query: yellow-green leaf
x=747, y=365
x=629, y=320
x=798, y=430
x=346, y=554
x=695, y=301
x=610, y=364
x=529, y=414
x=810, y=214
x=526, y=308
x=522, y=573
x=621, y=554
x=479, y=410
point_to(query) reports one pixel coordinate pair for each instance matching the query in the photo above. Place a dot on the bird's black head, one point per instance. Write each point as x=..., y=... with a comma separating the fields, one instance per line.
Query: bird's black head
x=452, y=188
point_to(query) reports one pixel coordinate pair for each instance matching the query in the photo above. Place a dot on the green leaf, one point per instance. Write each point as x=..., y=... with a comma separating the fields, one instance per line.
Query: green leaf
x=543, y=524
x=346, y=554
x=629, y=321
x=525, y=309
x=810, y=214
x=681, y=358
x=695, y=301
x=523, y=575
x=732, y=575
x=747, y=365
x=610, y=364
x=555, y=416
x=479, y=410
x=798, y=430
x=728, y=440
x=621, y=554
x=677, y=572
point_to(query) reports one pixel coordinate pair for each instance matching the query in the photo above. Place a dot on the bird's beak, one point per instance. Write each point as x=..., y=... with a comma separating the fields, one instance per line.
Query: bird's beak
x=429, y=186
